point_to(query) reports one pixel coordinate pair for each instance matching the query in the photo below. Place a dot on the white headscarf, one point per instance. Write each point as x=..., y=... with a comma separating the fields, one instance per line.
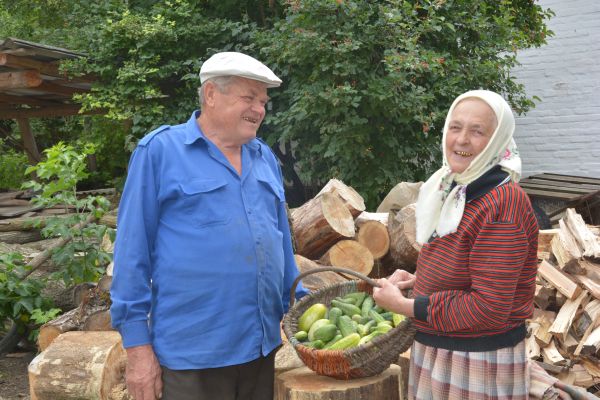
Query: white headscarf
x=440, y=208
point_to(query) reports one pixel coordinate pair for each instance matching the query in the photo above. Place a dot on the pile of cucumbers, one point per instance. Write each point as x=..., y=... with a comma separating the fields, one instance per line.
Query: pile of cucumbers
x=351, y=320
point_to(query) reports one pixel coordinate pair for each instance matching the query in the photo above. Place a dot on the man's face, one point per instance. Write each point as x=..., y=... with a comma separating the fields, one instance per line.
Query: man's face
x=472, y=124
x=240, y=109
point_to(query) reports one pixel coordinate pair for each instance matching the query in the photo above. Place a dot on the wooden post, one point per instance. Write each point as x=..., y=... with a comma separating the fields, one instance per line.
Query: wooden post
x=33, y=154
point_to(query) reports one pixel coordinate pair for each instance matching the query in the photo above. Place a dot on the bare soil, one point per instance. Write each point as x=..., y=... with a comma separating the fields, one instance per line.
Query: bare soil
x=14, y=383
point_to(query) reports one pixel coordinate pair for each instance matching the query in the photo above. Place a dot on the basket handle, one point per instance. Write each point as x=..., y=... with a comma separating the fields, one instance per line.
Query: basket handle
x=347, y=271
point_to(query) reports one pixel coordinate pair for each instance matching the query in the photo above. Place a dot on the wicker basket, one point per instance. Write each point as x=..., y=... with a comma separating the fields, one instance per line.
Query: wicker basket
x=357, y=362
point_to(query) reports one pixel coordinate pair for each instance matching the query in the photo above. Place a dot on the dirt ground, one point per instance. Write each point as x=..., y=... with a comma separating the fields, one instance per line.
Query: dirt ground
x=14, y=384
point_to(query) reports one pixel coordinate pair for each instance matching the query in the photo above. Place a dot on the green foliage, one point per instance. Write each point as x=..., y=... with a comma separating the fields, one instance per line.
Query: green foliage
x=366, y=83
x=12, y=167
x=21, y=299
x=80, y=259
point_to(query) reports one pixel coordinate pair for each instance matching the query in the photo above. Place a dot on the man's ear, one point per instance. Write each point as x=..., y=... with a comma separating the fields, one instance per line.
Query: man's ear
x=210, y=90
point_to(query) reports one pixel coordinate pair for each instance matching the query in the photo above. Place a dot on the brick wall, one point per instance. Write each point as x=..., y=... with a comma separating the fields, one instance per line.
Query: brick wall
x=562, y=133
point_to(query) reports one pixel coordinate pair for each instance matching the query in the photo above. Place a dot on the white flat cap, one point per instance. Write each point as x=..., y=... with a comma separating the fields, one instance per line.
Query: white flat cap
x=238, y=64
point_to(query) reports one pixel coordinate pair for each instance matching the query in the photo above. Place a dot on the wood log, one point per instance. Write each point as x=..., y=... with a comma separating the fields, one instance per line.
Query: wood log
x=20, y=237
x=319, y=223
x=552, y=355
x=375, y=237
x=559, y=280
x=542, y=335
x=561, y=325
x=92, y=307
x=26, y=224
x=591, y=285
x=533, y=348
x=318, y=280
x=566, y=250
x=592, y=270
x=370, y=216
x=349, y=254
x=543, y=296
x=304, y=384
x=78, y=365
x=350, y=197
x=586, y=239
x=404, y=249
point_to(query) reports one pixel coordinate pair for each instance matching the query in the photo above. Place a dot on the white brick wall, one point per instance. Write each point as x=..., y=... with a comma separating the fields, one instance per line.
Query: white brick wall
x=562, y=133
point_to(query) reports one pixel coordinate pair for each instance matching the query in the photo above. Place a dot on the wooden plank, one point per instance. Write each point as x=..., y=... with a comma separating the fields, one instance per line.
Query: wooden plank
x=559, y=184
x=20, y=79
x=567, y=178
x=45, y=112
x=550, y=194
x=561, y=189
x=52, y=87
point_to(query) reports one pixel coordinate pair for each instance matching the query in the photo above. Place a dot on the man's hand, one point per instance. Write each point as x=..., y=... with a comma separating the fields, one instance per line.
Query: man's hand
x=143, y=374
x=402, y=279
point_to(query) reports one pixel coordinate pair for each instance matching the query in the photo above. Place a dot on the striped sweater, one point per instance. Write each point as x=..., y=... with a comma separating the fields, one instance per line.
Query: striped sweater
x=475, y=287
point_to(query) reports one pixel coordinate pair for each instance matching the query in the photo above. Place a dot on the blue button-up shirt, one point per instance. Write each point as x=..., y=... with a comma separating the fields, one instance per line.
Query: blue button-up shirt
x=203, y=257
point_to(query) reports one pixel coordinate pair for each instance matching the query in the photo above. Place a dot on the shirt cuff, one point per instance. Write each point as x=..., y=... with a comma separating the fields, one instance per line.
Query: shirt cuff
x=135, y=333
x=421, y=305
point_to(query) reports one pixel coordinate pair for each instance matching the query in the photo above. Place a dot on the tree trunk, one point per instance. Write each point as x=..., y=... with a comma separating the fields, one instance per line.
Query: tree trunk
x=349, y=254
x=20, y=237
x=78, y=365
x=304, y=384
x=318, y=280
x=350, y=197
x=319, y=223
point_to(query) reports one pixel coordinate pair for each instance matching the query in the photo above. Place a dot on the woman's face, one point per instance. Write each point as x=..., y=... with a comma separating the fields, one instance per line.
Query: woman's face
x=471, y=126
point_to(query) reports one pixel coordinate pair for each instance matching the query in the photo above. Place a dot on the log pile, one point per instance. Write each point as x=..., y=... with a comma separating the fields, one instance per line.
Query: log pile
x=333, y=229
x=564, y=333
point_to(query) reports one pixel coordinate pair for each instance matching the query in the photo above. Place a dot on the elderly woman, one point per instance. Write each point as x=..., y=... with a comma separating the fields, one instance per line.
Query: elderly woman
x=475, y=278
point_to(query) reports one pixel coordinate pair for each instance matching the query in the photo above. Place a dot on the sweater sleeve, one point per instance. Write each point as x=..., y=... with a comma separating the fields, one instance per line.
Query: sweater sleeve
x=496, y=261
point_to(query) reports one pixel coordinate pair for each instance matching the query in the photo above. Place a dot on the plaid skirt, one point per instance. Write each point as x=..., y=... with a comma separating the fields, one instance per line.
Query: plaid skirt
x=438, y=374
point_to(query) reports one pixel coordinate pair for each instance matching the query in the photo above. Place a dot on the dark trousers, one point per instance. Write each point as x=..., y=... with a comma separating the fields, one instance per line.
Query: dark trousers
x=250, y=381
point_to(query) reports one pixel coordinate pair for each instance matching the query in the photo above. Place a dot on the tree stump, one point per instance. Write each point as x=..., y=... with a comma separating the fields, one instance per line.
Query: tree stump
x=304, y=384
x=374, y=236
x=78, y=365
x=319, y=223
x=349, y=254
x=318, y=280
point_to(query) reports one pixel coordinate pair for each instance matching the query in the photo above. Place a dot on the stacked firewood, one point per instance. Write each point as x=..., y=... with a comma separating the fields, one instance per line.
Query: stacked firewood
x=333, y=229
x=565, y=328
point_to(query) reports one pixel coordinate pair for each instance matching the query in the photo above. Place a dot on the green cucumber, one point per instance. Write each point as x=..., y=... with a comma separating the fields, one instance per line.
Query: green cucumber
x=334, y=314
x=366, y=306
x=325, y=332
x=316, y=325
x=376, y=316
x=346, y=342
x=346, y=326
x=348, y=309
x=357, y=297
x=332, y=341
x=313, y=313
x=369, y=337
x=301, y=335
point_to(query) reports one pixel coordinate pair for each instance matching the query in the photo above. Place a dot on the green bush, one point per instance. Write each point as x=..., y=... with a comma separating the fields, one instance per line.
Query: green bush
x=12, y=167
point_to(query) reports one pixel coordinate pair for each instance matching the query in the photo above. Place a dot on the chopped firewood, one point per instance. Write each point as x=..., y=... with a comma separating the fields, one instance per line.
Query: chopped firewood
x=370, y=216
x=591, y=313
x=569, y=345
x=350, y=197
x=559, y=280
x=586, y=239
x=580, y=376
x=319, y=223
x=592, y=270
x=542, y=336
x=404, y=249
x=592, y=343
x=545, y=237
x=592, y=367
x=349, y=254
x=589, y=284
x=543, y=294
x=561, y=325
x=533, y=348
x=565, y=247
x=552, y=356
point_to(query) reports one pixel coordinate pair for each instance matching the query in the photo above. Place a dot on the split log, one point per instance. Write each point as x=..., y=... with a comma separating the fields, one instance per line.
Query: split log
x=533, y=348
x=374, y=236
x=589, y=284
x=543, y=296
x=316, y=281
x=20, y=237
x=350, y=197
x=349, y=254
x=592, y=343
x=586, y=239
x=545, y=237
x=591, y=313
x=320, y=223
x=542, y=335
x=552, y=355
x=304, y=384
x=561, y=325
x=78, y=365
x=404, y=249
x=592, y=270
x=400, y=196
x=566, y=250
x=559, y=280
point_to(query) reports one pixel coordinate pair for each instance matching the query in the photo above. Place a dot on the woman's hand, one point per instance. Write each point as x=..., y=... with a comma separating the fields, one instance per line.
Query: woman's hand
x=390, y=297
x=402, y=279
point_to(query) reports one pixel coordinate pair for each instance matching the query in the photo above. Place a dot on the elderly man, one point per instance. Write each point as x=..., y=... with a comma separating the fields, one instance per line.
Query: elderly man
x=203, y=258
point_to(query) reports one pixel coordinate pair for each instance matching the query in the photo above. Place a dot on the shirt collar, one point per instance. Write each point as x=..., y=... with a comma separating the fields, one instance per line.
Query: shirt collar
x=193, y=133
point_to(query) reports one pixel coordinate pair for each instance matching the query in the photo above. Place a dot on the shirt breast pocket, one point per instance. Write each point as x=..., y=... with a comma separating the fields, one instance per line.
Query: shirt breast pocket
x=204, y=201
x=272, y=197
